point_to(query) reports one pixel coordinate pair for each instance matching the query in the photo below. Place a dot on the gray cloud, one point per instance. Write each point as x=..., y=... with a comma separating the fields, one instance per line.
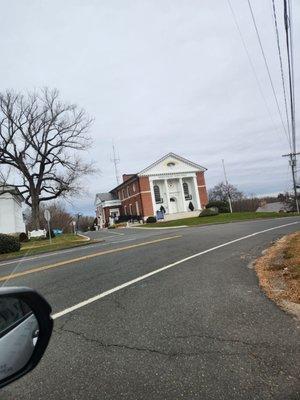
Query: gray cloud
x=158, y=76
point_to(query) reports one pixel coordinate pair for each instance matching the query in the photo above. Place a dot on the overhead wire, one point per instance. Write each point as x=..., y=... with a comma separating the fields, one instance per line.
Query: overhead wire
x=267, y=67
x=282, y=72
x=287, y=22
x=251, y=63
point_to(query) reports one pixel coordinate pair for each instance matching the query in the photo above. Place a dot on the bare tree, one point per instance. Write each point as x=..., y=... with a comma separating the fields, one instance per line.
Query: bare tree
x=221, y=191
x=60, y=217
x=39, y=136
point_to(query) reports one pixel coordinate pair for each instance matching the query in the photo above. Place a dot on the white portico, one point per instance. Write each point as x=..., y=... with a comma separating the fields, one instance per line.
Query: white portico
x=174, y=185
x=176, y=193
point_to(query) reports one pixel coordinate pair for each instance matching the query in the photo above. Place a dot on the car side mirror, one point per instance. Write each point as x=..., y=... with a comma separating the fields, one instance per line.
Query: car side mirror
x=25, y=331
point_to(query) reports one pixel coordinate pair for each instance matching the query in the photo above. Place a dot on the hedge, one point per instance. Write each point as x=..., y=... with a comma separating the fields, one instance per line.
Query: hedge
x=209, y=212
x=222, y=206
x=9, y=243
x=150, y=220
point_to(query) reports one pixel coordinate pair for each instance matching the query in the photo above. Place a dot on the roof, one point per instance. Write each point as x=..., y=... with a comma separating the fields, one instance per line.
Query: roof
x=106, y=196
x=272, y=207
x=132, y=177
x=191, y=163
x=13, y=190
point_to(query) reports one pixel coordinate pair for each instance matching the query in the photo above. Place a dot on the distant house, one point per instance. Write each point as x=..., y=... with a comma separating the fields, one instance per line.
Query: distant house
x=11, y=217
x=172, y=184
x=272, y=207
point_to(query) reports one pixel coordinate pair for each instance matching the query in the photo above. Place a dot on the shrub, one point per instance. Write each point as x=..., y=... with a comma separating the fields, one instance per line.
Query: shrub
x=9, y=244
x=150, y=220
x=209, y=212
x=51, y=233
x=125, y=218
x=111, y=227
x=222, y=206
x=23, y=237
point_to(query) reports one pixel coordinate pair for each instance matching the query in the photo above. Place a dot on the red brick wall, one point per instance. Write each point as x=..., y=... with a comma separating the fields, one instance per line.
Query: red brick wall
x=146, y=198
x=202, y=189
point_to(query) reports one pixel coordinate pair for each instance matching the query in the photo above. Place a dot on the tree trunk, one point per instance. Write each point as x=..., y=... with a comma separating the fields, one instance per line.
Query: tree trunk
x=35, y=212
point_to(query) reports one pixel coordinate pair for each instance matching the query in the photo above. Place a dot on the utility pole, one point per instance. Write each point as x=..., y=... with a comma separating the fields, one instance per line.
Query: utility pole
x=289, y=45
x=227, y=186
x=292, y=157
x=115, y=159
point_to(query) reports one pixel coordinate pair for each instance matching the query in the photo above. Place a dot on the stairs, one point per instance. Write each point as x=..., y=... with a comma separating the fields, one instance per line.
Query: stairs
x=181, y=215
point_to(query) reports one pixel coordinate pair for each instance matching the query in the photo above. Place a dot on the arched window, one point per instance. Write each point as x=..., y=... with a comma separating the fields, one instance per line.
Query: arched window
x=186, y=191
x=157, y=194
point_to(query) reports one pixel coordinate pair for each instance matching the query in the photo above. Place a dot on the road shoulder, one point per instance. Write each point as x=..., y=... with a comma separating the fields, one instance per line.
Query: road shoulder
x=278, y=272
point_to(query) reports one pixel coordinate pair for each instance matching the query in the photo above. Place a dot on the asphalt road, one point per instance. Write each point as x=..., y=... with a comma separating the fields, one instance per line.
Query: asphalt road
x=179, y=315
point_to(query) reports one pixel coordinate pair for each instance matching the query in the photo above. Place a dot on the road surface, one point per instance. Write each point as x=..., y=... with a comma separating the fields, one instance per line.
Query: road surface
x=162, y=314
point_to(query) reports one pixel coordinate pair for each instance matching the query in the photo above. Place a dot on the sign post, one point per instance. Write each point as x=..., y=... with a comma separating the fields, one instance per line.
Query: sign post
x=74, y=226
x=47, y=216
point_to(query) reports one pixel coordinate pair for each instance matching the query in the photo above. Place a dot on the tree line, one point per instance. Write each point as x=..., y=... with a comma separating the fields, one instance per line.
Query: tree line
x=241, y=202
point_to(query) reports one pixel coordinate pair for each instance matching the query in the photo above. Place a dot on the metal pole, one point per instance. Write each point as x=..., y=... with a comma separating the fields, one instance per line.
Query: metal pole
x=292, y=157
x=50, y=239
x=293, y=165
x=227, y=186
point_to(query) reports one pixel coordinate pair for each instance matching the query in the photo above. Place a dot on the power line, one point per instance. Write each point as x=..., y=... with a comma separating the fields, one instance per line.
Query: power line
x=293, y=155
x=266, y=65
x=291, y=77
x=251, y=63
x=282, y=73
x=292, y=62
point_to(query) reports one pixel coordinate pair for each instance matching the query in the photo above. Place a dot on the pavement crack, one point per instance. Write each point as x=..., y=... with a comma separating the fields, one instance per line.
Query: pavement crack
x=169, y=354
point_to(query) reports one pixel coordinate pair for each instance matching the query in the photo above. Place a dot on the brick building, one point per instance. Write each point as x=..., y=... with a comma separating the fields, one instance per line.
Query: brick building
x=172, y=184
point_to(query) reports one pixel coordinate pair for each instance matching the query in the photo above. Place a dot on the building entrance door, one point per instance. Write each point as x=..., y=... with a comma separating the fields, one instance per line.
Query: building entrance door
x=173, y=205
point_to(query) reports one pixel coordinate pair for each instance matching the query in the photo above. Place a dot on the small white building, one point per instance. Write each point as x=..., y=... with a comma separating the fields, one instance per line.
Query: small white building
x=11, y=217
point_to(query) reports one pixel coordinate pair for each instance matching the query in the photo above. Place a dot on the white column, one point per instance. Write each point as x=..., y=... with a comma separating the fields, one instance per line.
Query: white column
x=152, y=197
x=182, y=194
x=167, y=194
x=197, y=193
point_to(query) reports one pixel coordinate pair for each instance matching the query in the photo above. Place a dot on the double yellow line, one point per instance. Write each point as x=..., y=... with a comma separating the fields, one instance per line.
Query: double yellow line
x=78, y=259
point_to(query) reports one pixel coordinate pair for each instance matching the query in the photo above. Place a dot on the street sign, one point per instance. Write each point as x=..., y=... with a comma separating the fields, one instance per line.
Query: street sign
x=47, y=215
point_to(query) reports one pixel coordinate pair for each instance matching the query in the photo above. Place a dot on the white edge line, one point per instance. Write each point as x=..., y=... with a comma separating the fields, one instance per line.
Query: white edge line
x=157, y=271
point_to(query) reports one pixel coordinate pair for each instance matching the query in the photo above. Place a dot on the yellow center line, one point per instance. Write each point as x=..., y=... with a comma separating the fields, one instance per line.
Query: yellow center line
x=73, y=260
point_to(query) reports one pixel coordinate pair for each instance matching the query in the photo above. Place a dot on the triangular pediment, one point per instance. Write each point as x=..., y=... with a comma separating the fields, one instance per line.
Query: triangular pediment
x=170, y=164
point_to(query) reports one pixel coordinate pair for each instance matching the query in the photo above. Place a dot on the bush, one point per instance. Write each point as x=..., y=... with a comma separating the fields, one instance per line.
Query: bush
x=51, y=233
x=150, y=220
x=23, y=237
x=9, y=244
x=125, y=218
x=222, y=206
x=209, y=212
x=111, y=227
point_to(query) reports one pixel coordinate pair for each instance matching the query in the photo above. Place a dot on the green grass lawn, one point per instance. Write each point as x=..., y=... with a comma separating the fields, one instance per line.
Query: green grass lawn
x=219, y=219
x=36, y=246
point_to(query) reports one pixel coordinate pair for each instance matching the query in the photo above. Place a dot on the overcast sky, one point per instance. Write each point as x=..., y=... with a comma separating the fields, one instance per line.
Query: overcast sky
x=158, y=76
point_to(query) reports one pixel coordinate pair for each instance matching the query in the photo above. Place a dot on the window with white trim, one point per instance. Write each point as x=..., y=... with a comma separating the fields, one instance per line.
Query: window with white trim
x=157, y=197
x=186, y=191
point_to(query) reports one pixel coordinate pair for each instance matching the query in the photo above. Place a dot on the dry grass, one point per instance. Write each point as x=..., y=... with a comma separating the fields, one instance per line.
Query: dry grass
x=279, y=272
